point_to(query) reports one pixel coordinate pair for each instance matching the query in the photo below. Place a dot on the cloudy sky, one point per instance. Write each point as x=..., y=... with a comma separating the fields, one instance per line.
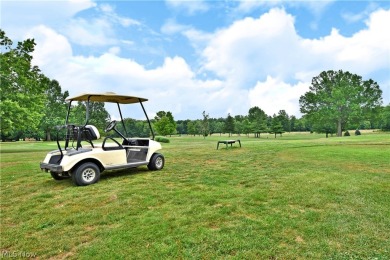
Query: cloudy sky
x=193, y=56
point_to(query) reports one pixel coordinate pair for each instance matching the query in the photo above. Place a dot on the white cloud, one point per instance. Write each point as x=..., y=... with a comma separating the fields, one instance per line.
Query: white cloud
x=173, y=86
x=110, y=14
x=97, y=32
x=274, y=95
x=16, y=19
x=253, y=50
x=253, y=62
x=315, y=7
x=198, y=39
x=357, y=17
x=172, y=27
x=52, y=48
x=190, y=7
x=364, y=52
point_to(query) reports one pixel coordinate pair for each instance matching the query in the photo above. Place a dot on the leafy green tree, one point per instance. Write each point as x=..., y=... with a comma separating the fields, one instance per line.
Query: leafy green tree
x=276, y=126
x=181, y=127
x=163, y=126
x=258, y=120
x=199, y=127
x=294, y=124
x=22, y=88
x=246, y=127
x=191, y=128
x=205, y=124
x=219, y=126
x=98, y=115
x=385, y=118
x=54, y=109
x=238, y=127
x=338, y=98
x=165, y=123
x=229, y=124
x=131, y=127
x=134, y=128
x=285, y=120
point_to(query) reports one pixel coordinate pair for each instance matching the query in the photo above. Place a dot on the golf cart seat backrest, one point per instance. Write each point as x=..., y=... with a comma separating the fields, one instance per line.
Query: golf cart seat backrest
x=91, y=132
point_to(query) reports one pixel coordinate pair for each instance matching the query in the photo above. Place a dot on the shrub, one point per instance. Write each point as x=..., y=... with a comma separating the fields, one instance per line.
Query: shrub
x=357, y=132
x=347, y=133
x=161, y=139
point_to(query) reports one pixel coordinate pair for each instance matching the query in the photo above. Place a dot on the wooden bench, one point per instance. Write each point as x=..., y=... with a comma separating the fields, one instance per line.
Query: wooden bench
x=231, y=142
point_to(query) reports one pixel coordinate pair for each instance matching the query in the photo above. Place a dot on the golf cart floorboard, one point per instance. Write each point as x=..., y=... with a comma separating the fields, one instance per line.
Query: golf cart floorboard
x=134, y=163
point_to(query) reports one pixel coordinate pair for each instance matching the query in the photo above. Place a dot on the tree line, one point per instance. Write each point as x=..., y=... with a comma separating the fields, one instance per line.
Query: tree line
x=257, y=122
x=32, y=105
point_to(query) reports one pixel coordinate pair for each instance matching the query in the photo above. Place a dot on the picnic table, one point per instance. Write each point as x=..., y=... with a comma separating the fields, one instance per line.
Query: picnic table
x=231, y=142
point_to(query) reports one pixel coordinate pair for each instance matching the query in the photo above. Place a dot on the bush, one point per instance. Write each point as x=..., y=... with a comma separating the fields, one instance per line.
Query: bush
x=357, y=132
x=161, y=139
x=347, y=133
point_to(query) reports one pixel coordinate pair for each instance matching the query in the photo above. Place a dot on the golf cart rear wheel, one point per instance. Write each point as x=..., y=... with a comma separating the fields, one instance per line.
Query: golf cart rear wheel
x=156, y=162
x=85, y=174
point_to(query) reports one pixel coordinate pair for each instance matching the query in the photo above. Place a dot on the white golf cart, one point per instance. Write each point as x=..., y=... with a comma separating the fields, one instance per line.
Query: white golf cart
x=83, y=159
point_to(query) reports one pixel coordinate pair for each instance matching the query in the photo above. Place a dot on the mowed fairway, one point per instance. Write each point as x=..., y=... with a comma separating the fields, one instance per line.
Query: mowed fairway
x=294, y=197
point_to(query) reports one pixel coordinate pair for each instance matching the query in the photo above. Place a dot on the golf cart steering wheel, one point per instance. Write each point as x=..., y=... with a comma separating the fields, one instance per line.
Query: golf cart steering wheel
x=110, y=126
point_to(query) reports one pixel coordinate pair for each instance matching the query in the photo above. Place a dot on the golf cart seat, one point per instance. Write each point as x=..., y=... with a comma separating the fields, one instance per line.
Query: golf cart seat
x=91, y=132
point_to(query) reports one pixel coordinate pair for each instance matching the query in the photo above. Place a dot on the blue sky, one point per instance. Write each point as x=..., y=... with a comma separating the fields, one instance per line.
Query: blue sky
x=193, y=56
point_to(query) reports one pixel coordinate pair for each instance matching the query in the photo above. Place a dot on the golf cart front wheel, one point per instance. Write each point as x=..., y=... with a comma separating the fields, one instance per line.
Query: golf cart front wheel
x=156, y=162
x=86, y=174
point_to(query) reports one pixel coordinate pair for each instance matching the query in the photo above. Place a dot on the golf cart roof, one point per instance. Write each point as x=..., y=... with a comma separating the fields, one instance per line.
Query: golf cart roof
x=107, y=97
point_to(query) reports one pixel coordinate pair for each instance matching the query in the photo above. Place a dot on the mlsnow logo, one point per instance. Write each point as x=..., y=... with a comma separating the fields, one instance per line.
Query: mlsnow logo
x=17, y=254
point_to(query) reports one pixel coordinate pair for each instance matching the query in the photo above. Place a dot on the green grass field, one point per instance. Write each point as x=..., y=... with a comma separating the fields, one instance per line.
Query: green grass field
x=298, y=196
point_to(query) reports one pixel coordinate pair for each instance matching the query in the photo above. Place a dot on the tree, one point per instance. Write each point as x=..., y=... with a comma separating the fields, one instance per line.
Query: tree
x=338, y=98
x=205, y=124
x=191, y=128
x=22, y=88
x=246, y=127
x=294, y=124
x=385, y=118
x=285, y=120
x=276, y=125
x=218, y=127
x=181, y=127
x=54, y=109
x=165, y=124
x=229, y=124
x=98, y=115
x=258, y=119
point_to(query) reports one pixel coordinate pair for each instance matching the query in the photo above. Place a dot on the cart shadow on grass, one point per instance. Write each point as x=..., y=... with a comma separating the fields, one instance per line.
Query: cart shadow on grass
x=107, y=175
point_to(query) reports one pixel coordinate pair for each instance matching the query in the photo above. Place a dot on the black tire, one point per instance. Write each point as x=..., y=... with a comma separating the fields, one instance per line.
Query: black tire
x=156, y=162
x=86, y=174
x=58, y=177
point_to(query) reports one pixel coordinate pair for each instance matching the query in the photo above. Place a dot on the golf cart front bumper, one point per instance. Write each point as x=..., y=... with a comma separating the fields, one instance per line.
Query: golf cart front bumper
x=51, y=167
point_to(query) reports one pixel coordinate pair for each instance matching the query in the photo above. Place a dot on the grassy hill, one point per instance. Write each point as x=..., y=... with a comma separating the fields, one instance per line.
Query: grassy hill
x=297, y=196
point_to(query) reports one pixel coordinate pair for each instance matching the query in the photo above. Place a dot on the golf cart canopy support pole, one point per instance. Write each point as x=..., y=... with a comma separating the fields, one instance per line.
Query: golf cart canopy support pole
x=67, y=114
x=123, y=122
x=150, y=125
x=67, y=129
x=87, y=111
